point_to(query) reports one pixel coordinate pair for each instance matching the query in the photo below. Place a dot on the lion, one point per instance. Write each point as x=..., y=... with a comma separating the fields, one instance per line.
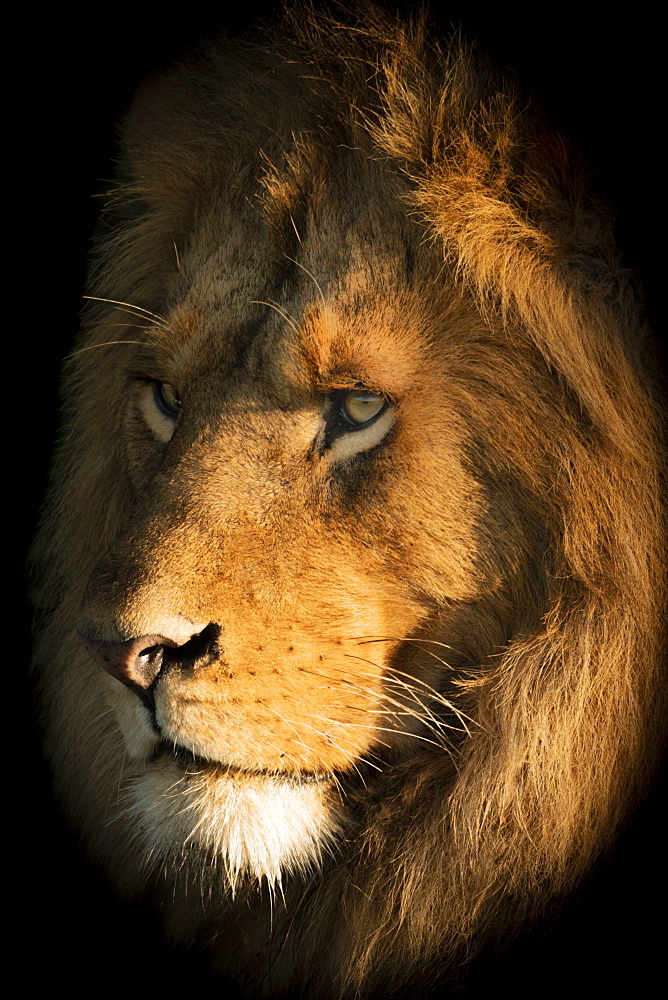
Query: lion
x=350, y=583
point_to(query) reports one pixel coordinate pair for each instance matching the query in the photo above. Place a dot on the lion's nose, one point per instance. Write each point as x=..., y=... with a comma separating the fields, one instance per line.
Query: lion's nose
x=138, y=662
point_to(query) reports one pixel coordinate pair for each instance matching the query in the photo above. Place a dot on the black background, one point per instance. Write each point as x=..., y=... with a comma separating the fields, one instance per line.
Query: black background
x=600, y=75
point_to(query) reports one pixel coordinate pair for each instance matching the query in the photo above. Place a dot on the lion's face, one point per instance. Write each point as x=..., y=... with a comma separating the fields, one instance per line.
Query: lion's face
x=303, y=511
x=352, y=576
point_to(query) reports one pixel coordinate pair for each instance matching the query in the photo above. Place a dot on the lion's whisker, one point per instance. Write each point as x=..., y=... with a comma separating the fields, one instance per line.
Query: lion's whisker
x=283, y=313
x=432, y=691
x=395, y=732
x=138, y=311
x=311, y=276
x=313, y=729
x=426, y=717
x=374, y=695
x=93, y=347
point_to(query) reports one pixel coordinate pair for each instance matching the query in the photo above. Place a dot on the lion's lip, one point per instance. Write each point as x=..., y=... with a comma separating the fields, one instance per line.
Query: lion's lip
x=192, y=763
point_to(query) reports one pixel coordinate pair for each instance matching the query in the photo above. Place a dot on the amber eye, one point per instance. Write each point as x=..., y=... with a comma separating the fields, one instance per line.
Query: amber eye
x=360, y=407
x=167, y=399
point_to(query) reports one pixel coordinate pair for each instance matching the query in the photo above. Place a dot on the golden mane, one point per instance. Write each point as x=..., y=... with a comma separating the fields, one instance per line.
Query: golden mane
x=560, y=700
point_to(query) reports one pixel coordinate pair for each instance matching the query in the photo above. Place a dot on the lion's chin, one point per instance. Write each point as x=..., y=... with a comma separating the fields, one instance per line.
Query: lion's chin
x=256, y=826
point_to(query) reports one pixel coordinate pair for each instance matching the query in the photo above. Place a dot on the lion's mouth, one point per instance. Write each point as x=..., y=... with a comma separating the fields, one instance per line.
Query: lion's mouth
x=194, y=764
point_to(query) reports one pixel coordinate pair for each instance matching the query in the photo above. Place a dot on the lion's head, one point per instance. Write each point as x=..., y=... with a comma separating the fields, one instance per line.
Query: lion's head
x=351, y=579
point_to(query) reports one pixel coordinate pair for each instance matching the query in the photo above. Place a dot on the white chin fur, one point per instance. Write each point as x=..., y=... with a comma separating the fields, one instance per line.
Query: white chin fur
x=140, y=739
x=256, y=825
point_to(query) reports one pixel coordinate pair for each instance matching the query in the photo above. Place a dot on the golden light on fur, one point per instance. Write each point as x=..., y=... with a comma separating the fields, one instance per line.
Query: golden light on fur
x=359, y=510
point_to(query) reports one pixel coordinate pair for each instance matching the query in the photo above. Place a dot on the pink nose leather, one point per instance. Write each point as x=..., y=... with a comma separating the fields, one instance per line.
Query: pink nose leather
x=136, y=662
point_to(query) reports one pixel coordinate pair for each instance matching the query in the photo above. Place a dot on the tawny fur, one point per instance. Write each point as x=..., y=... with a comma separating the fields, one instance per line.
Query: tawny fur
x=454, y=625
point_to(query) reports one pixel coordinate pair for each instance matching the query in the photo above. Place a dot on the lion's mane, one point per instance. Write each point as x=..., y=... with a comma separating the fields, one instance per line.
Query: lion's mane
x=559, y=701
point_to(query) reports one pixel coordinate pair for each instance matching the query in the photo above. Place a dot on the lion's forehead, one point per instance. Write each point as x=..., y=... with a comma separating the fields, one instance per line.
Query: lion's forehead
x=349, y=297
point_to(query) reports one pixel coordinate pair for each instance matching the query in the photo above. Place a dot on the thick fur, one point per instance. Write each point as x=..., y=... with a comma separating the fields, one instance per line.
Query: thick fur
x=435, y=695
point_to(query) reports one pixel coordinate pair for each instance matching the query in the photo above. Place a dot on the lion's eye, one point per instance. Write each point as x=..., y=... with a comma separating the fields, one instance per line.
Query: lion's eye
x=167, y=399
x=359, y=407
x=357, y=421
x=159, y=404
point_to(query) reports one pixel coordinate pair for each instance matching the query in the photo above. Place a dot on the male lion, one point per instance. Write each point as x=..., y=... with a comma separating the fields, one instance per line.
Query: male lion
x=351, y=580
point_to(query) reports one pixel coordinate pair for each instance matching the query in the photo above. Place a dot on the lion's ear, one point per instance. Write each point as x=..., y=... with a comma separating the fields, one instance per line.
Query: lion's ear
x=152, y=186
x=196, y=128
x=165, y=154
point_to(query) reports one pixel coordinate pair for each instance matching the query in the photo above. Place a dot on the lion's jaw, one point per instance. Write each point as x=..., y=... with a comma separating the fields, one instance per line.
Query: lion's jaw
x=259, y=826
